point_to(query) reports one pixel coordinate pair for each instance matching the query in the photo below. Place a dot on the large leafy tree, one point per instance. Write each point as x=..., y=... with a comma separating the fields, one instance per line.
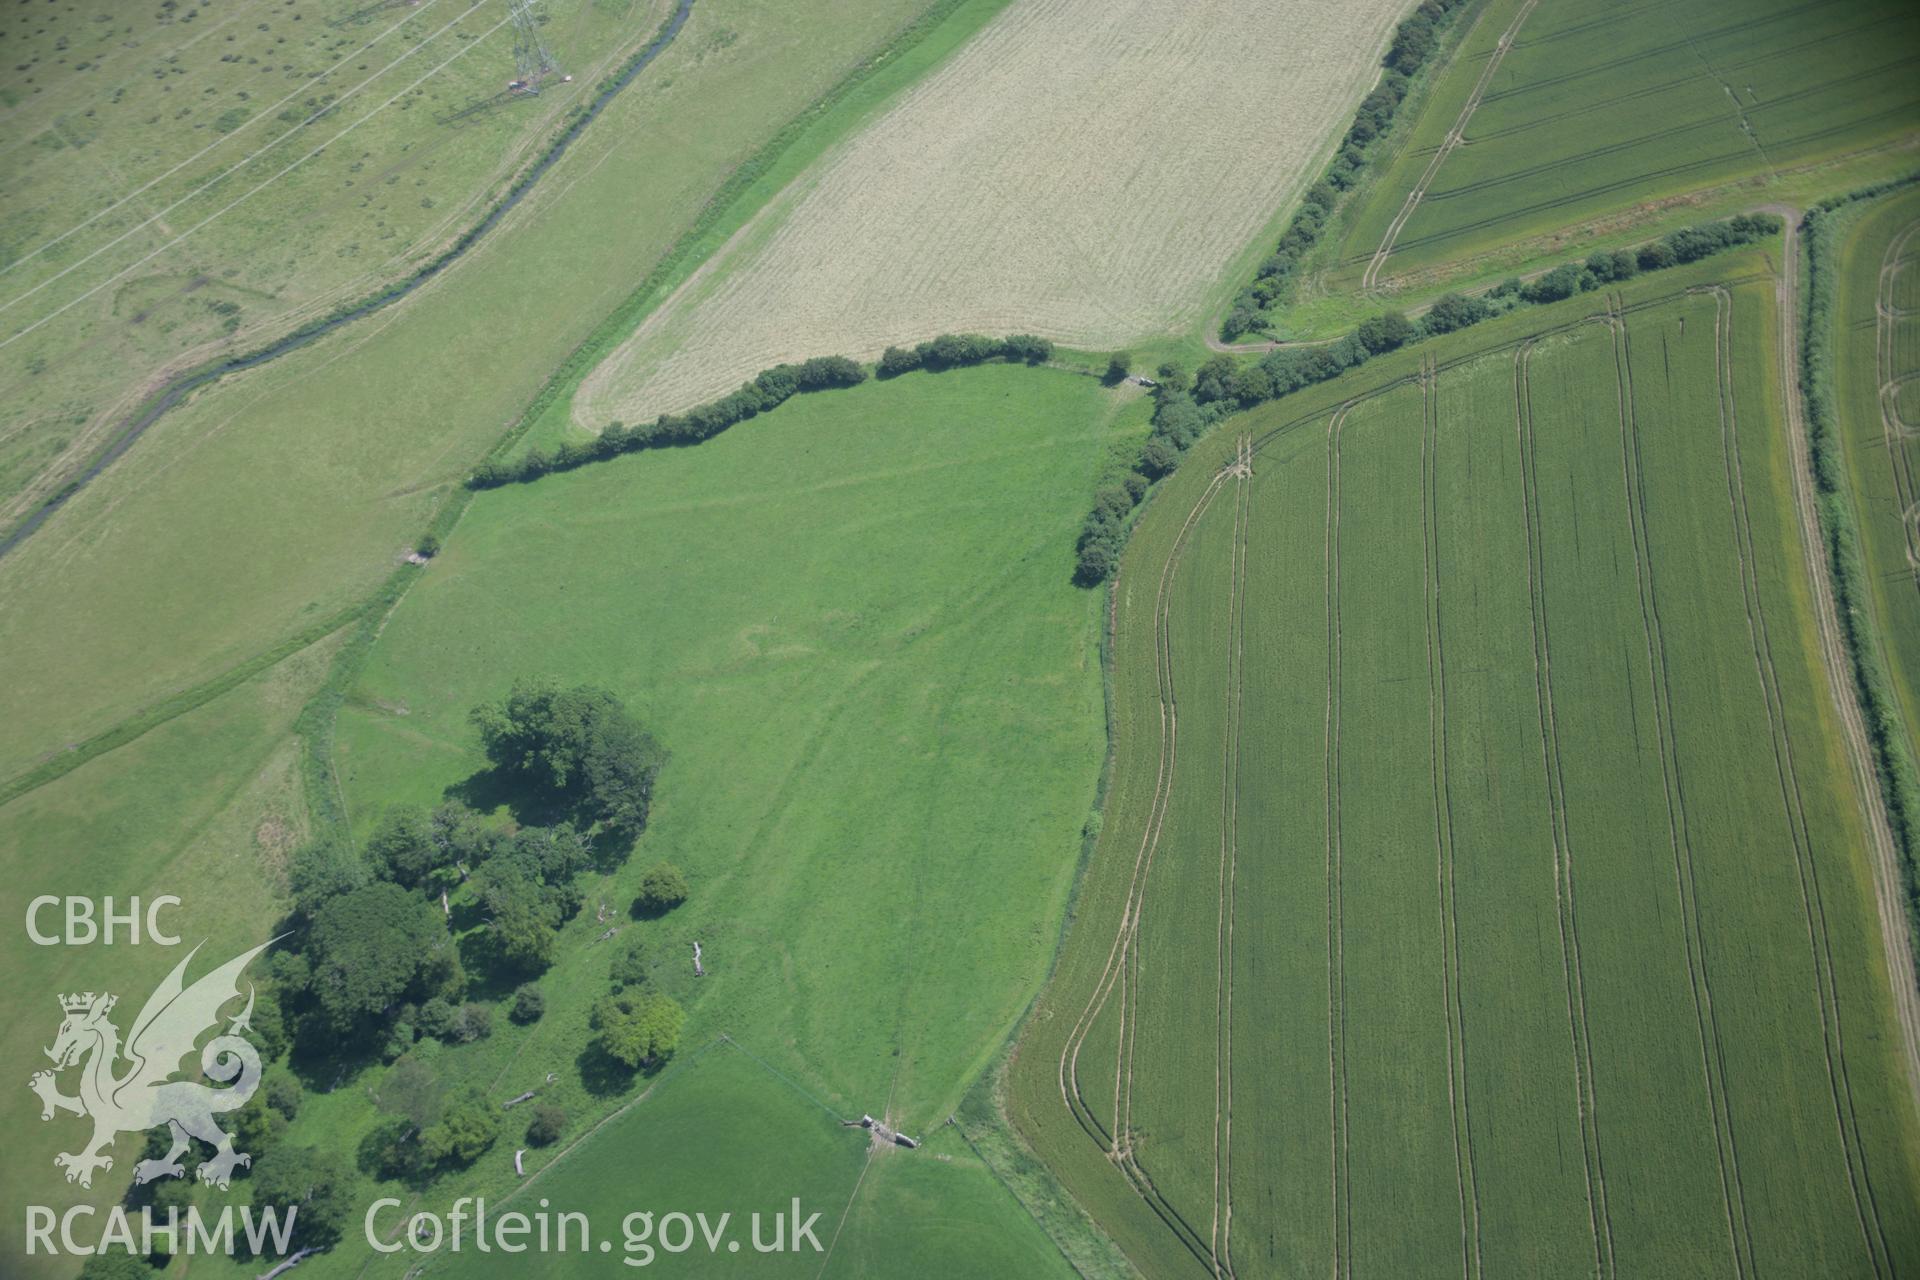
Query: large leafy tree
x=372, y=946
x=639, y=1028
x=579, y=745
x=467, y=1127
x=314, y=1184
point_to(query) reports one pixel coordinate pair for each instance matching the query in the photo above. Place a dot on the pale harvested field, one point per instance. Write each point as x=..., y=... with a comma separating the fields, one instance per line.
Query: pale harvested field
x=1083, y=169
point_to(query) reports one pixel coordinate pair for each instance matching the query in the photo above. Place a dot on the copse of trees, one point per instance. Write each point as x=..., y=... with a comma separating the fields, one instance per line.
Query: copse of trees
x=373, y=959
x=1183, y=409
x=373, y=946
x=578, y=745
x=1415, y=41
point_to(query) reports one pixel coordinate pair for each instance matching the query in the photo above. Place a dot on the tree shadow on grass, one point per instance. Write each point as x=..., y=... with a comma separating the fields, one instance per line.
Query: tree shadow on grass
x=529, y=804
x=602, y=1074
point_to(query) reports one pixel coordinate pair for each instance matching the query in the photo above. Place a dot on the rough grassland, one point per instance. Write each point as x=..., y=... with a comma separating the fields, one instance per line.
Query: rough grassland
x=206, y=807
x=286, y=494
x=181, y=181
x=1482, y=888
x=1878, y=356
x=1594, y=116
x=851, y=624
x=1044, y=180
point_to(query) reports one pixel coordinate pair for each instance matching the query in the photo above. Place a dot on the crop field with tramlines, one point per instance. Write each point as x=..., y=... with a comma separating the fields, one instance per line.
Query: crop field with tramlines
x=1483, y=888
x=1042, y=180
x=1558, y=114
x=1878, y=353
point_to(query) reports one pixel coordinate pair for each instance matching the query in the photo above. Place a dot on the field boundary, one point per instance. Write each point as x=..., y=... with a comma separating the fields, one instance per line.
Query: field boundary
x=1813, y=908
x=1877, y=751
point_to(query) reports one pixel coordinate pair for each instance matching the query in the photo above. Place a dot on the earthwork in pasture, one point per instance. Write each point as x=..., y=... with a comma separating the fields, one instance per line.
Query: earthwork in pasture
x=188, y=183
x=1485, y=890
x=1044, y=179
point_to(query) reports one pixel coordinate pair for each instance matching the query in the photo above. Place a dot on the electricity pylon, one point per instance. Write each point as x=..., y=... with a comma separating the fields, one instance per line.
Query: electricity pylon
x=532, y=60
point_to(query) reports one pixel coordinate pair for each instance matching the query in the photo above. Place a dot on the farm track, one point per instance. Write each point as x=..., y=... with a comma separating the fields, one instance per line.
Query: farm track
x=1712, y=1053
x=1904, y=988
x=1123, y=956
x=1336, y=902
x=1599, y=1221
x=1229, y=866
x=1465, y=1181
x=1812, y=905
x=1455, y=136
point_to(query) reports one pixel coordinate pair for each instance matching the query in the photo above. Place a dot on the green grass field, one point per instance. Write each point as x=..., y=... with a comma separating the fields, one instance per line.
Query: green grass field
x=1595, y=124
x=1877, y=349
x=1483, y=887
x=328, y=462
x=206, y=807
x=879, y=769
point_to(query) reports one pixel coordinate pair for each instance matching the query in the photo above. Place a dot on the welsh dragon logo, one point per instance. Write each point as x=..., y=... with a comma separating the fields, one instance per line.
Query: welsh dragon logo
x=144, y=1096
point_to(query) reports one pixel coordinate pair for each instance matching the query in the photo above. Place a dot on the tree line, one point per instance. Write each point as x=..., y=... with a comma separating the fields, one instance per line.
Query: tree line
x=1898, y=779
x=1186, y=404
x=767, y=390
x=1415, y=41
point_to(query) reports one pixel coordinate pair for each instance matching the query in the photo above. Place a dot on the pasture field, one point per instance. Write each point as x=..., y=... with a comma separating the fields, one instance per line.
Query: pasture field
x=207, y=806
x=1483, y=888
x=328, y=462
x=186, y=181
x=980, y=203
x=1877, y=354
x=850, y=622
x=1555, y=118
x=279, y=500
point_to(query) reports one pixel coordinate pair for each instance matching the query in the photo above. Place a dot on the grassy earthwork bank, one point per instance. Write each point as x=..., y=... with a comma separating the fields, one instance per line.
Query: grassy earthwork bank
x=1483, y=886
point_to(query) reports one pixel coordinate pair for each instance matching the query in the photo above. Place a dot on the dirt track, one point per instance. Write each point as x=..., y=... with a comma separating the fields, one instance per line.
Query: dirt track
x=1838, y=664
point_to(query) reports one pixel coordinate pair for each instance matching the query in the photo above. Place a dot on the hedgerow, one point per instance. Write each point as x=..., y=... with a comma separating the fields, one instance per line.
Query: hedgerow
x=1893, y=759
x=769, y=389
x=1414, y=43
x=1184, y=408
